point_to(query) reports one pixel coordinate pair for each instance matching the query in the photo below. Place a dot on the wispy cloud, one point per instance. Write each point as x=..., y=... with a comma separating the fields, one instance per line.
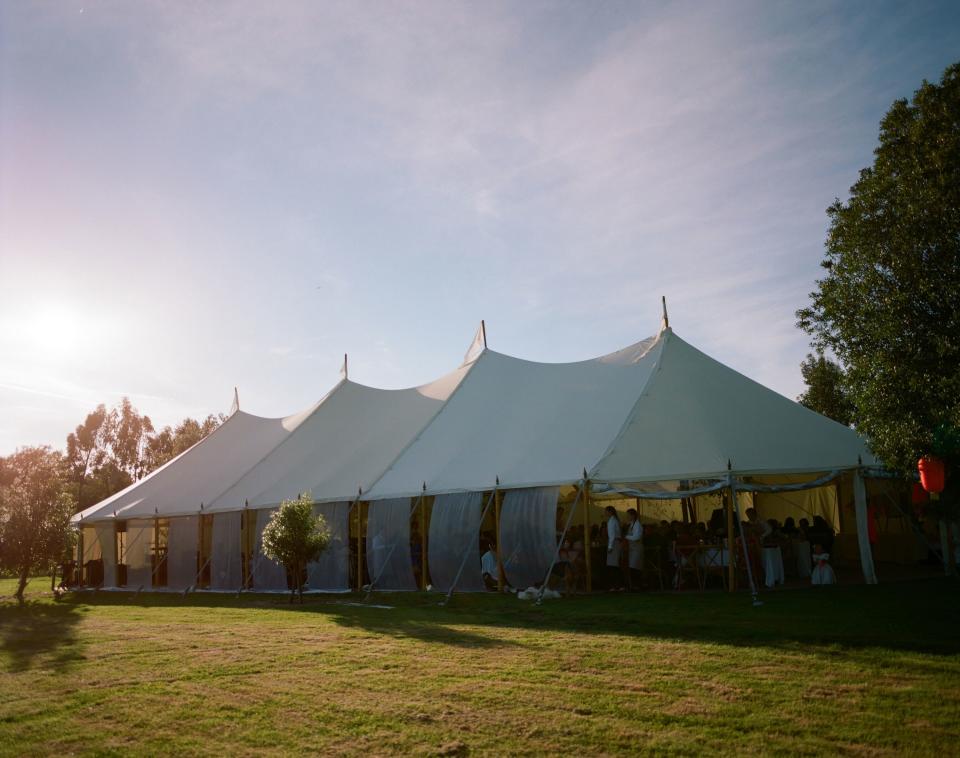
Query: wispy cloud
x=250, y=191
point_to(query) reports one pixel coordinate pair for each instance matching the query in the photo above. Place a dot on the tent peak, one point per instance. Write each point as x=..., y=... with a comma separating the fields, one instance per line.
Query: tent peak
x=479, y=344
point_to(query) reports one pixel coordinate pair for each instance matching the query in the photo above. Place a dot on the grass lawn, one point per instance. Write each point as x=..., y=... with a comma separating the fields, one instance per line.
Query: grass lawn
x=872, y=670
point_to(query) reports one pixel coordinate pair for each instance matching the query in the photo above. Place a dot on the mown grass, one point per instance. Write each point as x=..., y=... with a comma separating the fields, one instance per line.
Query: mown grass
x=842, y=670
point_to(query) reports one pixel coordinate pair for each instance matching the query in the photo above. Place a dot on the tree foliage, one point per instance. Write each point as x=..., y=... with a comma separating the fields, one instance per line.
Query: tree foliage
x=114, y=447
x=35, y=509
x=889, y=305
x=825, y=392
x=294, y=537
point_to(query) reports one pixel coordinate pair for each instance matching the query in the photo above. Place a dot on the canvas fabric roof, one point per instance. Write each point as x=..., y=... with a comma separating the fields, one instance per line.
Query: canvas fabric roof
x=526, y=423
x=658, y=410
x=696, y=415
x=200, y=473
x=344, y=445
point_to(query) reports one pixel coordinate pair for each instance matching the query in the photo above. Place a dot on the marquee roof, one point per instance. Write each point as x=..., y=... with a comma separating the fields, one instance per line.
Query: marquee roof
x=657, y=410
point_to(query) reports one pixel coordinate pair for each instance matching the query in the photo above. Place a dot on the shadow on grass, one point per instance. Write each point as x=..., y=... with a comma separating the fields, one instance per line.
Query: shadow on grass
x=39, y=631
x=919, y=616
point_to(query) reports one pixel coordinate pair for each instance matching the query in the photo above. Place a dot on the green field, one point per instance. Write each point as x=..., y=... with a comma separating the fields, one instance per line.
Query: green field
x=847, y=670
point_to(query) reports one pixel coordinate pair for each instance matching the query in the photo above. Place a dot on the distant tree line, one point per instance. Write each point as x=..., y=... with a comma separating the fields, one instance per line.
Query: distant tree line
x=113, y=448
x=41, y=488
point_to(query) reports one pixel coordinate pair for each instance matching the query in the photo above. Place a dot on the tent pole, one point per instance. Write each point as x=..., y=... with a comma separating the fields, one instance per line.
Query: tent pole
x=731, y=541
x=581, y=491
x=486, y=509
x=359, y=545
x=81, y=578
x=743, y=539
x=863, y=530
x=498, y=504
x=423, y=547
x=586, y=534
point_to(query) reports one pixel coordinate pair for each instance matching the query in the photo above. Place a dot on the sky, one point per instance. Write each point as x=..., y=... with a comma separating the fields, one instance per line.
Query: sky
x=197, y=196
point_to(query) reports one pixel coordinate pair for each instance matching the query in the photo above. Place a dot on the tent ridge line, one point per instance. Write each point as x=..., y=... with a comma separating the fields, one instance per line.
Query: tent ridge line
x=320, y=403
x=429, y=421
x=661, y=342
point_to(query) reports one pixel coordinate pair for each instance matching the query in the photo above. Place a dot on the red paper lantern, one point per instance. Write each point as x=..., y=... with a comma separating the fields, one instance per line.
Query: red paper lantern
x=919, y=495
x=931, y=473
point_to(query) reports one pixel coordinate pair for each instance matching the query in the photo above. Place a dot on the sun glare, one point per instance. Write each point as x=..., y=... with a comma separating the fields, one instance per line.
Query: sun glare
x=53, y=332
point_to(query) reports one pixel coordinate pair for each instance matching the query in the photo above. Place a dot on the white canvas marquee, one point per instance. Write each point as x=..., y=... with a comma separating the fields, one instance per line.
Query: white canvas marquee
x=658, y=411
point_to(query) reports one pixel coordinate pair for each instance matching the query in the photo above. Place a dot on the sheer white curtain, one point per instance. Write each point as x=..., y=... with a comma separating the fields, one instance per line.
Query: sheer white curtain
x=267, y=575
x=107, y=542
x=139, y=540
x=332, y=571
x=528, y=534
x=182, y=542
x=455, y=532
x=388, y=544
x=226, y=572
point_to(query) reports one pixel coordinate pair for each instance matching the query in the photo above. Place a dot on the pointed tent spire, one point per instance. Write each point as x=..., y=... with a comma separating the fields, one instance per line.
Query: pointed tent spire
x=478, y=345
x=236, y=402
x=343, y=369
x=666, y=318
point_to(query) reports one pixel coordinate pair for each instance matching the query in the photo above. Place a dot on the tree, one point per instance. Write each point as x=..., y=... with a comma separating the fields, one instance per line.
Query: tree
x=169, y=442
x=35, y=509
x=294, y=537
x=889, y=305
x=825, y=392
x=88, y=448
x=131, y=434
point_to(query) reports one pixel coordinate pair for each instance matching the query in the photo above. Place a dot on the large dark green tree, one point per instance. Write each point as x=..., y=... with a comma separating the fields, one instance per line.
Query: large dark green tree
x=825, y=391
x=889, y=304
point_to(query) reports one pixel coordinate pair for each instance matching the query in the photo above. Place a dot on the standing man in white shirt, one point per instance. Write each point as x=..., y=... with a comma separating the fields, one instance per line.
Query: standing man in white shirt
x=614, y=574
x=634, y=537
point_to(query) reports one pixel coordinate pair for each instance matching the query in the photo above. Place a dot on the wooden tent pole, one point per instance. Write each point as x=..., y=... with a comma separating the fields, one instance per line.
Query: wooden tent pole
x=359, y=545
x=423, y=545
x=498, y=504
x=586, y=534
x=731, y=541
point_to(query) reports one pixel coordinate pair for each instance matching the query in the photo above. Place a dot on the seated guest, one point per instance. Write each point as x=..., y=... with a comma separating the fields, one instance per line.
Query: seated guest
x=490, y=568
x=822, y=570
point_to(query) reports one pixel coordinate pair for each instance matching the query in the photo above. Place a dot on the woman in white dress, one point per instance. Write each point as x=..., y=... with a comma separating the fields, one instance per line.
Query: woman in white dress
x=822, y=570
x=634, y=538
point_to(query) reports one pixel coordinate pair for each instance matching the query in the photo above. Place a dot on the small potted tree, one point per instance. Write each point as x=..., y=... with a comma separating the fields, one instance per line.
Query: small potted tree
x=294, y=537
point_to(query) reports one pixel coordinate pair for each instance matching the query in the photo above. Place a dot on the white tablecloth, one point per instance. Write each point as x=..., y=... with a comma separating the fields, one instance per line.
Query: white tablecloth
x=713, y=557
x=772, y=566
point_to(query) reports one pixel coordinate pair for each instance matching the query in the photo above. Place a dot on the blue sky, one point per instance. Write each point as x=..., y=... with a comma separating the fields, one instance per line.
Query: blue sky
x=197, y=196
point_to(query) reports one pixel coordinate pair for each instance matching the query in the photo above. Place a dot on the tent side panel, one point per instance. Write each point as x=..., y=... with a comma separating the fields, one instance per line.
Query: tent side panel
x=182, y=542
x=139, y=564
x=225, y=559
x=528, y=534
x=388, y=545
x=455, y=533
x=331, y=571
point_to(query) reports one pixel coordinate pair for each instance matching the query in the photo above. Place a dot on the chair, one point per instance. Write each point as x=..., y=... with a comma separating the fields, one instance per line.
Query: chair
x=711, y=561
x=686, y=562
x=653, y=562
